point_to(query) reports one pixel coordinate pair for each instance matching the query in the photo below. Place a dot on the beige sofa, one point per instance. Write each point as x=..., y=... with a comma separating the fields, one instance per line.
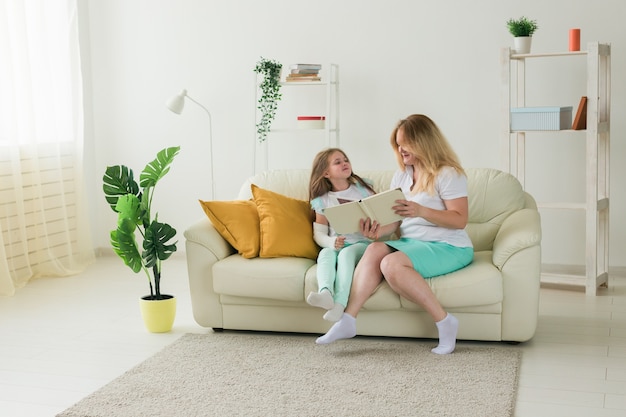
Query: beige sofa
x=495, y=297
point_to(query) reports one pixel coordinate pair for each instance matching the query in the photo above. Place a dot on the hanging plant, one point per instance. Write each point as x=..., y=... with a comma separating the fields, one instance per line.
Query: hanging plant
x=270, y=94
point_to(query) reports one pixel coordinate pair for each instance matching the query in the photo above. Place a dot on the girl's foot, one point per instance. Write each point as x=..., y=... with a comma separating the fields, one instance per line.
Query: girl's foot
x=322, y=299
x=343, y=329
x=335, y=313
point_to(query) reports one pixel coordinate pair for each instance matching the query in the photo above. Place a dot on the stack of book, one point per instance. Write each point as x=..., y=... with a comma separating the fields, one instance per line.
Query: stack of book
x=304, y=72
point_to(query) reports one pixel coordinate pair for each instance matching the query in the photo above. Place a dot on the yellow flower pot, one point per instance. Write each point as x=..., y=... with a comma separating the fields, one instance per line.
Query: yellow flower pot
x=158, y=315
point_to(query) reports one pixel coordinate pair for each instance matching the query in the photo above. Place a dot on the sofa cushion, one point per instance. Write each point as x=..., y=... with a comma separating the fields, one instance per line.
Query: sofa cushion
x=276, y=278
x=286, y=225
x=292, y=183
x=237, y=222
x=479, y=283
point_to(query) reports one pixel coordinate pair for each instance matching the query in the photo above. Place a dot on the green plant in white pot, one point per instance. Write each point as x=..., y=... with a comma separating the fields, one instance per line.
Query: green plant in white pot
x=522, y=30
x=140, y=240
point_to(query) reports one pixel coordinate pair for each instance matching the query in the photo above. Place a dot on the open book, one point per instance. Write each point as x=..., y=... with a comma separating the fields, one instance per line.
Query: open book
x=345, y=217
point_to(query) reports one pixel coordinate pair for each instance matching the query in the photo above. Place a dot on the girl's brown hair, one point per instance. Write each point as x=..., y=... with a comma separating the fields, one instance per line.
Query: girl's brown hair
x=429, y=146
x=320, y=185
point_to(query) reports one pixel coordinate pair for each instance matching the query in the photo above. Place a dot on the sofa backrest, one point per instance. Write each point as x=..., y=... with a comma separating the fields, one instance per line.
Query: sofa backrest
x=493, y=195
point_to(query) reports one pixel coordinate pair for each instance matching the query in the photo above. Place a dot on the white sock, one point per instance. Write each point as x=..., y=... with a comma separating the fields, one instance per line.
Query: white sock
x=322, y=299
x=335, y=313
x=343, y=329
x=448, y=328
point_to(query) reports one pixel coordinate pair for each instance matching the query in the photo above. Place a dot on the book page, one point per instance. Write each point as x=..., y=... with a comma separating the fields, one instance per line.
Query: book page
x=344, y=218
x=379, y=208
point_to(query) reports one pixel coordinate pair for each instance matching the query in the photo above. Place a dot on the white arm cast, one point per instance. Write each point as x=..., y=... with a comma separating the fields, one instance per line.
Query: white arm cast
x=320, y=235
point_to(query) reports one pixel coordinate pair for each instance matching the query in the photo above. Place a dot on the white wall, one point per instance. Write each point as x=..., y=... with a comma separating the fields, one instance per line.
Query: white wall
x=396, y=57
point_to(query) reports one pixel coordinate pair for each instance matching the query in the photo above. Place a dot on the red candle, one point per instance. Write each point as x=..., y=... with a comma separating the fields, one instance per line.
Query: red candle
x=574, y=39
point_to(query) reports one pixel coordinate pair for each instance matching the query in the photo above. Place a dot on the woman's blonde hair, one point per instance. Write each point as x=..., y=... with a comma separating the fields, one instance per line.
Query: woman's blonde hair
x=319, y=184
x=430, y=147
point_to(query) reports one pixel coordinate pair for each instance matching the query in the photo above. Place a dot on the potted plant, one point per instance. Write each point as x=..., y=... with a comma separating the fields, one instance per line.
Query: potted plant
x=140, y=240
x=522, y=29
x=270, y=94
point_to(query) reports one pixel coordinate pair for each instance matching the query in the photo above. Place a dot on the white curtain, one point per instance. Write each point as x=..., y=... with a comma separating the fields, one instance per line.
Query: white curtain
x=44, y=227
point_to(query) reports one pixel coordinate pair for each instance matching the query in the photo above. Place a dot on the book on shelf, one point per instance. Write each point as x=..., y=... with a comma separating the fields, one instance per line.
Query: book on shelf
x=305, y=67
x=289, y=78
x=309, y=75
x=304, y=71
x=580, y=121
x=344, y=218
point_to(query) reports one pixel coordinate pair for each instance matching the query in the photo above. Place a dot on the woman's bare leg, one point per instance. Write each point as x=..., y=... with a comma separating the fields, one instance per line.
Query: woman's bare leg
x=408, y=283
x=367, y=276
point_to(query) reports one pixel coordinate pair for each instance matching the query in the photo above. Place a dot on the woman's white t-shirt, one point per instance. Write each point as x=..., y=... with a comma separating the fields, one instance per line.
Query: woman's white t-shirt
x=448, y=186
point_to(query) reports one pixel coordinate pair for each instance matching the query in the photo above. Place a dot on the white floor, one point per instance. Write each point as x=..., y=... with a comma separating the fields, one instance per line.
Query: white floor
x=62, y=338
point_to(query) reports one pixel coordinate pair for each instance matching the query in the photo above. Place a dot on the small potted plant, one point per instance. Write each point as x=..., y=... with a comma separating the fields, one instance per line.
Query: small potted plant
x=136, y=220
x=522, y=30
x=270, y=94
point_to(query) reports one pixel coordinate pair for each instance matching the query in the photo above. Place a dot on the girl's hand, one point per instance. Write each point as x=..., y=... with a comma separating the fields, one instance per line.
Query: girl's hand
x=340, y=241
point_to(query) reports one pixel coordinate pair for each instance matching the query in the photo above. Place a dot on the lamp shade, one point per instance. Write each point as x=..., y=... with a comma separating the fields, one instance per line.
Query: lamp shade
x=177, y=103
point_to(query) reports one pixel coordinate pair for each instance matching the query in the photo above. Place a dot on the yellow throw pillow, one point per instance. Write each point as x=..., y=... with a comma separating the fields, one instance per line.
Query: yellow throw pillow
x=237, y=222
x=286, y=225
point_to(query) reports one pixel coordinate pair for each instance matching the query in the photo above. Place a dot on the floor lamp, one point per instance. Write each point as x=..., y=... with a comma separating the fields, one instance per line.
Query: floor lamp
x=176, y=104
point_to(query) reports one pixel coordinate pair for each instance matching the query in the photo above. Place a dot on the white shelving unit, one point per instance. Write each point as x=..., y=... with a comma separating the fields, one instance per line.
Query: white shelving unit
x=597, y=139
x=319, y=98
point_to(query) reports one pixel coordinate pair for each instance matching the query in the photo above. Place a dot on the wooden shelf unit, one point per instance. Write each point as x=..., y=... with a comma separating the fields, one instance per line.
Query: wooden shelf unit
x=597, y=135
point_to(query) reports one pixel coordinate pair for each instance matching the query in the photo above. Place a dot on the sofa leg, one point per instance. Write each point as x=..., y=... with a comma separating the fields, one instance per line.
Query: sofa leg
x=218, y=329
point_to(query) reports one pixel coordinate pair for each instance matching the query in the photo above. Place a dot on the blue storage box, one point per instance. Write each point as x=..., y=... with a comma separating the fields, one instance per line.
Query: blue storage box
x=541, y=118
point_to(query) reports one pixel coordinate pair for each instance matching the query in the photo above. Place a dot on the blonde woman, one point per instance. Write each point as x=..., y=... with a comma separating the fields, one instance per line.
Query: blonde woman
x=432, y=234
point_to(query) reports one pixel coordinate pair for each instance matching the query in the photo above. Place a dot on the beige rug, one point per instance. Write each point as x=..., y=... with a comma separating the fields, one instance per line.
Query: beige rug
x=261, y=374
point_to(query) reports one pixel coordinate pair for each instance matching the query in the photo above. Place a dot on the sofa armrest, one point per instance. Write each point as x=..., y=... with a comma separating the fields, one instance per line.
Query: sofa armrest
x=517, y=253
x=204, y=234
x=204, y=247
x=519, y=231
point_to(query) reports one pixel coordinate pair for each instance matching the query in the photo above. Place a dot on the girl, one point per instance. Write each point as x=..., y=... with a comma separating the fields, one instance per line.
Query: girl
x=333, y=182
x=432, y=240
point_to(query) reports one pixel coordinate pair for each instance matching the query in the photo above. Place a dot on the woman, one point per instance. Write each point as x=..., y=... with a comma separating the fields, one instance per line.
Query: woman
x=432, y=238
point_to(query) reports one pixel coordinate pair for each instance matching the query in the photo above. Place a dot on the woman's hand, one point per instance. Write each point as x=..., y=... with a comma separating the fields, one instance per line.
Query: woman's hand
x=406, y=208
x=454, y=216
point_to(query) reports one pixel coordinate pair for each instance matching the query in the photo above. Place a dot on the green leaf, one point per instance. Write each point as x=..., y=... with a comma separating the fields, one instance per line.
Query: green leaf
x=155, y=244
x=125, y=246
x=117, y=181
x=130, y=208
x=157, y=169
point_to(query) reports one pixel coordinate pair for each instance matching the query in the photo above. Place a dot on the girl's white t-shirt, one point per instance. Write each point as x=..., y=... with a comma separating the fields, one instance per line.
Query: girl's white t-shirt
x=334, y=198
x=448, y=186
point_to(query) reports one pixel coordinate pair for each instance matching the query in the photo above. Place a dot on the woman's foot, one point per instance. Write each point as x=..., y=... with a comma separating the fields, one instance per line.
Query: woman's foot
x=322, y=299
x=343, y=329
x=448, y=328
